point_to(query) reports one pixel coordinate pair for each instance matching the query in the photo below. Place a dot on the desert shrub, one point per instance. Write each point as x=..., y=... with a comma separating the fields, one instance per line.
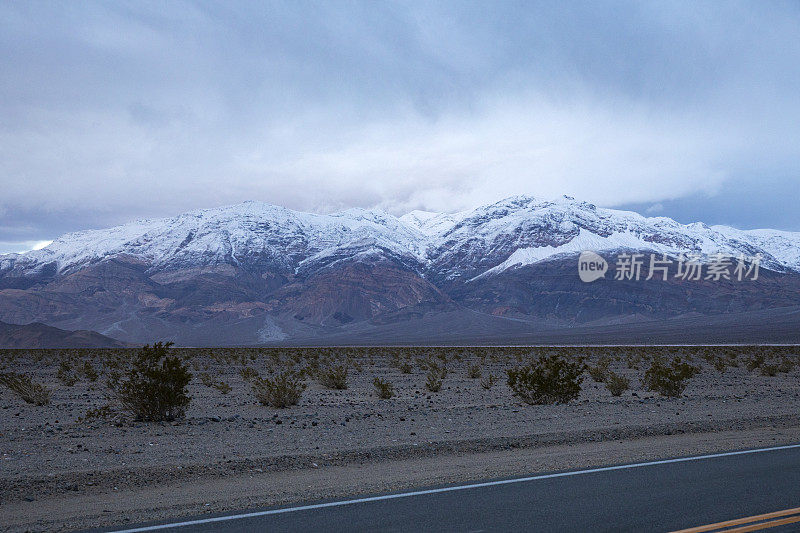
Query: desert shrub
x=720, y=364
x=474, y=371
x=669, y=379
x=599, y=372
x=488, y=381
x=89, y=371
x=769, y=362
x=154, y=387
x=102, y=412
x=248, y=373
x=548, y=379
x=633, y=361
x=774, y=366
x=209, y=381
x=279, y=391
x=333, y=376
x=384, y=388
x=113, y=379
x=434, y=378
x=755, y=361
x=616, y=384
x=719, y=357
x=24, y=387
x=786, y=364
x=770, y=369
x=66, y=375
x=405, y=367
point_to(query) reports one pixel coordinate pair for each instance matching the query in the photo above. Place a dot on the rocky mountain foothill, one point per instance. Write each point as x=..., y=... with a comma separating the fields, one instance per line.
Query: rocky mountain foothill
x=255, y=273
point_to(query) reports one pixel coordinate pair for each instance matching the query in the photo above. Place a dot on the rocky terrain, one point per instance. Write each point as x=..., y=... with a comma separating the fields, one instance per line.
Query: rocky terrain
x=255, y=273
x=83, y=444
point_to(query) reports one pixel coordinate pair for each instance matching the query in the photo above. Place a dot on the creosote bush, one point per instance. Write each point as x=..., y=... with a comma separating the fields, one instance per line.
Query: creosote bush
x=548, y=379
x=24, y=387
x=669, y=379
x=209, y=381
x=248, y=373
x=755, y=361
x=384, y=388
x=154, y=387
x=280, y=391
x=599, y=373
x=66, y=375
x=333, y=376
x=488, y=381
x=616, y=384
x=435, y=376
x=102, y=412
x=474, y=371
x=786, y=364
x=89, y=371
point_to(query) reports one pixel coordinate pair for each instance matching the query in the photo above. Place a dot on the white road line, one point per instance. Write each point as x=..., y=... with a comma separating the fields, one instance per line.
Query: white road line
x=226, y=518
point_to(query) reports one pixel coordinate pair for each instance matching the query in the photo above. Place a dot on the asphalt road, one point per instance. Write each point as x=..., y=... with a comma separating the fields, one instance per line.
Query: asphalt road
x=654, y=496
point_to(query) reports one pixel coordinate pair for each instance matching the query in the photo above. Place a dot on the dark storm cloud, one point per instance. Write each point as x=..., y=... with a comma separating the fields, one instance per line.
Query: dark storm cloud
x=115, y=111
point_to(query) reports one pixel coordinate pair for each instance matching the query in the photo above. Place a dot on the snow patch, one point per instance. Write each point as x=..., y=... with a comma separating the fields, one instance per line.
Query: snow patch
x=585, y=240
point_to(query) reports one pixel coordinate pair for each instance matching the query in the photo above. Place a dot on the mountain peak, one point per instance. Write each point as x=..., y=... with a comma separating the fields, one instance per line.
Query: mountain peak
x=259, y=231
x=278, y=273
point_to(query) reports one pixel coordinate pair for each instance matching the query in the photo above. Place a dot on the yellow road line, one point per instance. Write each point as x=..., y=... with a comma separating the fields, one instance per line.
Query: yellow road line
x=747, y=520
x=764, y=525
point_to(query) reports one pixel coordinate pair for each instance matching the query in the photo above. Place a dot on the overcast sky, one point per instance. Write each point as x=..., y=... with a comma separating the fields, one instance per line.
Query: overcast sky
x=112, y=111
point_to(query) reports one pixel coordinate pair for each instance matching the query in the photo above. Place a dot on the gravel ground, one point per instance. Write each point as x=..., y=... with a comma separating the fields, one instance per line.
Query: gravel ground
x=53, y=451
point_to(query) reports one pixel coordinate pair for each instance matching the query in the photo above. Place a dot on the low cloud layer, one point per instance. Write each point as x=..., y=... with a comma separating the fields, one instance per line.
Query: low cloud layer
x=112, y=112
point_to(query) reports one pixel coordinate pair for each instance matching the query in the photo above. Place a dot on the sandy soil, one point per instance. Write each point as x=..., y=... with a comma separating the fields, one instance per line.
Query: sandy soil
x=60, y=471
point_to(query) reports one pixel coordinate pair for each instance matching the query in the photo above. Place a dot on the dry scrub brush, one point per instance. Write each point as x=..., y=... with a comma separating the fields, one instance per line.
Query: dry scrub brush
x=279, y=391
x=616, y=384
x=669, y=379
x=548, y=379
x=384, y=389
x=154, y=387
x=488, y=381
x=435, y=377
x=24, y=387
x=333, y=376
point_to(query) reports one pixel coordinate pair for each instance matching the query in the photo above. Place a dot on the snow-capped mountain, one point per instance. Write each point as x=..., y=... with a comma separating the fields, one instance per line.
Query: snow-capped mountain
x=292, y=273
x=511, y=233
x=252, y=232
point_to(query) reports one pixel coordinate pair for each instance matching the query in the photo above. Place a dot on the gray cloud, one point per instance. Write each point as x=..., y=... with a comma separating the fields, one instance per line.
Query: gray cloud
x=116, y=111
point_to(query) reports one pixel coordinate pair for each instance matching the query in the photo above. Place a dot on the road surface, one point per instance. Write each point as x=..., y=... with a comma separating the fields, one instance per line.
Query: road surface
x=667, y=495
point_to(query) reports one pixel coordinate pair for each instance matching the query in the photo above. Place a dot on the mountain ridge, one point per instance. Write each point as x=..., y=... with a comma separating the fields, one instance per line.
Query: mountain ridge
x=38, y=335
x=413, y=235
x=258, y=273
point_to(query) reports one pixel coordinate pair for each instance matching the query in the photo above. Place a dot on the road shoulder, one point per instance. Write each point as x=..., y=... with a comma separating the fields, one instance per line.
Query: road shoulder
x=258, y=489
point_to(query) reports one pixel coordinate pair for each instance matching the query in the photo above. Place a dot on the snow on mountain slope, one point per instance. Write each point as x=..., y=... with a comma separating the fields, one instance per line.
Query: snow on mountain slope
x=782, y=245
x=431, y=223
x=252, y=231
x=586, y=240
x=523, y=230
x=488, y=240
